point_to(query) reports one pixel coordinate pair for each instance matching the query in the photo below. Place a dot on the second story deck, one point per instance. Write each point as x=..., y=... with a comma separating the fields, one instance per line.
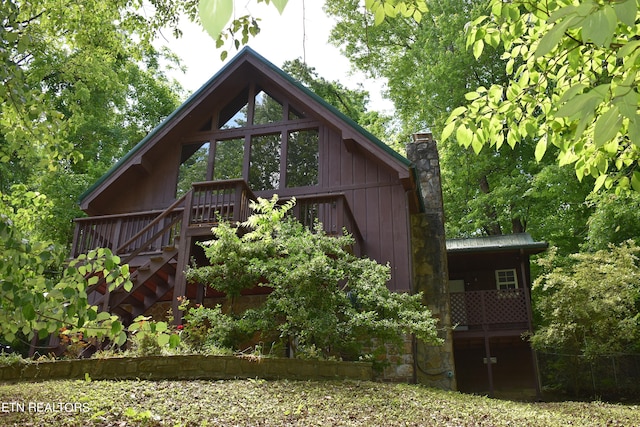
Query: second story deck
x=143, y=233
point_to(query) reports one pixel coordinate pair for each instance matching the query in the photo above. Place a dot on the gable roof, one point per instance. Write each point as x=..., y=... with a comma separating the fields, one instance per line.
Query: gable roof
x=351, y=130
x=502, y=243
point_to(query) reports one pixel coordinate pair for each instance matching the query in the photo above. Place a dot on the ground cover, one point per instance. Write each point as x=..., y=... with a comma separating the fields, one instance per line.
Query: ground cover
x=281, y=403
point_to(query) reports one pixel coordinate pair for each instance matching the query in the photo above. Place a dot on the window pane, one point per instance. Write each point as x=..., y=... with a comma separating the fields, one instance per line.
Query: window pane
x=506, y=279
x=228, y=159
x=264, y=164
x=234, y=114
x=302, y=158
x=267, y=109
x=195, y=161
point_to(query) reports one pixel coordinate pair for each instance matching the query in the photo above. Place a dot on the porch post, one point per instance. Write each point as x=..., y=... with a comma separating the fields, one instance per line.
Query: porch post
x=527, y=300
x=487, y=353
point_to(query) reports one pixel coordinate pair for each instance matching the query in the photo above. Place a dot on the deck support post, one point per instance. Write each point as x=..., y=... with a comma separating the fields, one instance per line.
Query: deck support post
x=184, y=251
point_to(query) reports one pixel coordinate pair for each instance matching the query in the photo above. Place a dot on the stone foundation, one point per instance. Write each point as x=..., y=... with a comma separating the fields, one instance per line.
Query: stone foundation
x=189, y=367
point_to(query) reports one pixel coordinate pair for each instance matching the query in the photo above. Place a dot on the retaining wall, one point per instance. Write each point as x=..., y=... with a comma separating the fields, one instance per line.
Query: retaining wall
x=187, y=367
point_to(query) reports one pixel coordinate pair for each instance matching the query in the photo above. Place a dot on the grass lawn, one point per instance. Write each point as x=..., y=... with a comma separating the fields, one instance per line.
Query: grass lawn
x=281, y=403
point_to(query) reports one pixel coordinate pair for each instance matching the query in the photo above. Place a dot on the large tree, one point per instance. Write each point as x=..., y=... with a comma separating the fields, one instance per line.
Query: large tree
x=573, y=85
x=80, y=82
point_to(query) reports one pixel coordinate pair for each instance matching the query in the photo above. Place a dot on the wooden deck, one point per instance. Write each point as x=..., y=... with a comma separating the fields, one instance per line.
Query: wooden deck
x=156, y=244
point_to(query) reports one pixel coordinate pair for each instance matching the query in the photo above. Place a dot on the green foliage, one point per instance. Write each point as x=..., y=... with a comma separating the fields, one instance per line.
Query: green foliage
x=589, y=303
x=323, y=299
x=615, y=219
x=34, y=302
x=573, y=80
x=151, y=338
x=209, y=330
x=216, y=14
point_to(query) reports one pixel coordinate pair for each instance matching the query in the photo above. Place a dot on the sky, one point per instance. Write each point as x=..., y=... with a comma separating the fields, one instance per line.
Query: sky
x=297, y=33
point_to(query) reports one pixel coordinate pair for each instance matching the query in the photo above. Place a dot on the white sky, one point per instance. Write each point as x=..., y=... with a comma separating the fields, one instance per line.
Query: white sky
x=294, y=34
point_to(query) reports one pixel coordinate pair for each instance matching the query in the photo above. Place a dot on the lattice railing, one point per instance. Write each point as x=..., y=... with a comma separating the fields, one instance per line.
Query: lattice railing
x=487, y=308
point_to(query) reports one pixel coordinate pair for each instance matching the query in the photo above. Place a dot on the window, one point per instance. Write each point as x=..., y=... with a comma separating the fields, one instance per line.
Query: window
x=264, y=164
x=194, y=163
x=266, y=109
x=257, y=136
x=302, y=158
x=228, y=159
x=506, y=279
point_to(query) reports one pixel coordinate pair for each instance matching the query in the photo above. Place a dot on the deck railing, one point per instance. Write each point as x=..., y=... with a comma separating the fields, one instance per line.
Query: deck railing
x=207, y=203
x=495, y=309
x=219, y=200
x=127, y=233
x=333, y=211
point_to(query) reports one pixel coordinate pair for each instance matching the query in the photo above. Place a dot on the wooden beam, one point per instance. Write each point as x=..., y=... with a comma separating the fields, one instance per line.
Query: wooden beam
x=141, y=164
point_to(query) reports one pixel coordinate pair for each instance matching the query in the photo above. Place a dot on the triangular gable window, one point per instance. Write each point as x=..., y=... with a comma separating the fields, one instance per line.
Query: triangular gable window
x=266, y=109
x=270, y=144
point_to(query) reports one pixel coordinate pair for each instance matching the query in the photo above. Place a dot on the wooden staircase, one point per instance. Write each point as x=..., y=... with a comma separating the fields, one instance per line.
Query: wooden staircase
x=151, y=282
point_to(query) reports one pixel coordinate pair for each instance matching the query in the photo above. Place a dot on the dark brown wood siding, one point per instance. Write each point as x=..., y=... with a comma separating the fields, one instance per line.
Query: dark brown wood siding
x=377, y=200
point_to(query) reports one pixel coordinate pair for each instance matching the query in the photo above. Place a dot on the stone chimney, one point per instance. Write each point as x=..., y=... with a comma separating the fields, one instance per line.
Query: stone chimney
x=434, y=365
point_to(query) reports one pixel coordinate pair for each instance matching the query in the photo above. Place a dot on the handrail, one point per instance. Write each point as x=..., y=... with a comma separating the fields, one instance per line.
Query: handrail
x=152, y=224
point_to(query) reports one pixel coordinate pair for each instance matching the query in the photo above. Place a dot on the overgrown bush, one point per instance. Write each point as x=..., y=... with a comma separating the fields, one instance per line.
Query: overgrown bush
x=589, y=307
x=323, y=301
x=208, y=329
x=151, y=338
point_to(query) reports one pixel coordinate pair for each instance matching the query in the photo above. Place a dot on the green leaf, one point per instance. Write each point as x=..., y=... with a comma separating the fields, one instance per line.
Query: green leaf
x=541, y=148
x=128, y=285
x=214, y=15
x=553, y=36
x=579, y=105
x=478, y=47
x=456, y=112
x=464, y=136
x=599, y=182
x=600, y=26
x=103, y=315
x=626, y=11
x=634, y=130
x=280, y=5
x=607, y=125
x=29, y=312
x=174, y=341
x=163, y=339
x=635, y=181
x=447, y=131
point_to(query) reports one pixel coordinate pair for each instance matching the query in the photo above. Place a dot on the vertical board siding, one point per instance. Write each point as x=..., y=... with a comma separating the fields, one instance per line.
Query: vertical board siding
x=378, y=202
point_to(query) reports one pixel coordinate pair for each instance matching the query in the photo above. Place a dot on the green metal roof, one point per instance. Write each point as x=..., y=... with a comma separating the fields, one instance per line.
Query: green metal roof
x=247, y=51
x=502, y=243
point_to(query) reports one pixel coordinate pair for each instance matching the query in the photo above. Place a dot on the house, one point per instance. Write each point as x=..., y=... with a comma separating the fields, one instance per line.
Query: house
x=253, y=131
x=490, y=291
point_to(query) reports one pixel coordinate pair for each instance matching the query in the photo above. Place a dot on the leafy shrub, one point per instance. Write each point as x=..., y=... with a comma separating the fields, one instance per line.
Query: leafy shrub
x=323, y=299
x=588, y=305
x=207, y=329
x=150, y=338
